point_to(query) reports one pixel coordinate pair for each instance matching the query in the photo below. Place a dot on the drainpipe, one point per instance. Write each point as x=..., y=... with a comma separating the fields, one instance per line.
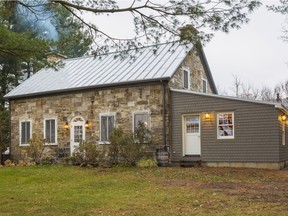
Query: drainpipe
x=164, y=113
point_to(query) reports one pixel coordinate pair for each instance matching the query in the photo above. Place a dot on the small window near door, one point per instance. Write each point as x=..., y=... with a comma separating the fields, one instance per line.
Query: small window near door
x=140, y=117
x=185, y=79
x=225, y=125
x=50, y=131
x=192, y=124
x=204, y=86
x=107, y=124
x=25, y=132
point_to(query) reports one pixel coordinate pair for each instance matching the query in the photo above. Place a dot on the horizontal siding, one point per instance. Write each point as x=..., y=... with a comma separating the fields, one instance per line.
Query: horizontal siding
x=257, y=133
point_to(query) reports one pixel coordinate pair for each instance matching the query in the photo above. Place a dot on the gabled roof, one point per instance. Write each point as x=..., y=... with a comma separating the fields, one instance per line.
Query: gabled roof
x=143, y=65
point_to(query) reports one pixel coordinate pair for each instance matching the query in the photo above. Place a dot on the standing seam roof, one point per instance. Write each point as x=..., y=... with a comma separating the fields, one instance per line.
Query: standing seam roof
x=147, y=63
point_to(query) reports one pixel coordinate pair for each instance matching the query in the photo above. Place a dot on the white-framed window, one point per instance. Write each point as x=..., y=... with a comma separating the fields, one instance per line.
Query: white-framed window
x=25, y=132
x=50, y=131
x=141, y=117
x=186, y=78
x=107, y=124
x=204, y=85
x=225, y=125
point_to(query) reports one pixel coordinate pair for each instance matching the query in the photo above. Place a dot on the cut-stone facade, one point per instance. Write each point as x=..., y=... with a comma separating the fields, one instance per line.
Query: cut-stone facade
x=122, y=102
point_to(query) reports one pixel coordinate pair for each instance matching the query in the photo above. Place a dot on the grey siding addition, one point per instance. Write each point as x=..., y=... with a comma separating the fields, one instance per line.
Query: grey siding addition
x=257, y=135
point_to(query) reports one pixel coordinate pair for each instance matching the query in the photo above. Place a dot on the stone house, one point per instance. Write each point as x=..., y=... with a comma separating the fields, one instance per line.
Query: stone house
x=89, y=96
x=170, y=89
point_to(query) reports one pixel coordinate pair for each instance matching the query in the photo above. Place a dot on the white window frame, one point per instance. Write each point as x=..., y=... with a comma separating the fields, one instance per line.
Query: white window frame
x=100, y=116
x=139, y=113
x=188, y=77
x=233, y=124
x=204, y=80
x=20, y=131
x=56, y=131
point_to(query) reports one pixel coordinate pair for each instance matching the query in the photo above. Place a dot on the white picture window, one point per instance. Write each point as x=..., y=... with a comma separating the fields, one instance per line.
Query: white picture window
x=25, y=132
x=225, y=125
x=107, y=124
x=50, y=131
x=141, y=117
x=186, y=77
x=204, y=85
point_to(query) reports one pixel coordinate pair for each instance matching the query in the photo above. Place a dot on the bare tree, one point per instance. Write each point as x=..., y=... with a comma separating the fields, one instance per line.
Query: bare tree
x=172, y=20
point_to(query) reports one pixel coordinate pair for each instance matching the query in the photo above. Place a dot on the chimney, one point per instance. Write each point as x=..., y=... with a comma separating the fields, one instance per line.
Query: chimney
x=55, y=57
x=278, y=98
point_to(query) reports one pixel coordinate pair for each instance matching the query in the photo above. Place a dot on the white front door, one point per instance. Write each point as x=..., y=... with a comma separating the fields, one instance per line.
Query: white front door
x=191, y=126
x=77, y=133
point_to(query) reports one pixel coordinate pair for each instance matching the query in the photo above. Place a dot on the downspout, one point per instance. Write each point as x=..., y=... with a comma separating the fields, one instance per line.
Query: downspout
x=164, y=113
x=10, y=125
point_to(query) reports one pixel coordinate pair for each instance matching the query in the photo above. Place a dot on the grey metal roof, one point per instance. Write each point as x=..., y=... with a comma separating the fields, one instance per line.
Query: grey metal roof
x=146, y=64
x=275, y=104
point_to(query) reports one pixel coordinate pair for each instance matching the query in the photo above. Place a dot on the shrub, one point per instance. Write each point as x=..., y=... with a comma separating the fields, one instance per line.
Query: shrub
x=36, y=148
x=129, y=148
x=87, y=154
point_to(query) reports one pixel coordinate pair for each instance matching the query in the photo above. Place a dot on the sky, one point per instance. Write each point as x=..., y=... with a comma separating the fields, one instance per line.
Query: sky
x=255, y=54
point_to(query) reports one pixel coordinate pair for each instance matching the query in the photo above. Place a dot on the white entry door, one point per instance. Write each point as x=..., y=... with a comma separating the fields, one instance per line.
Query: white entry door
x=77, y=133
x=192, y=144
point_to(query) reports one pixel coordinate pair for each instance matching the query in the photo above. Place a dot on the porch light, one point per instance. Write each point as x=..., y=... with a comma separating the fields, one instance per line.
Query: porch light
x=207, y=116
x=66, y=126
x=283, y=117
x=87, y=124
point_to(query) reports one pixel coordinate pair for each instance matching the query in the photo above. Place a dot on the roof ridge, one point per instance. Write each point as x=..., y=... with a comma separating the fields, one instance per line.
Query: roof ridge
x=126, y=50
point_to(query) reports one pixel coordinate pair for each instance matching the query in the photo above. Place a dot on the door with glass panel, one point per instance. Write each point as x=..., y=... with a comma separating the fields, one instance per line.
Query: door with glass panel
x=192, y=143
x=77, y=134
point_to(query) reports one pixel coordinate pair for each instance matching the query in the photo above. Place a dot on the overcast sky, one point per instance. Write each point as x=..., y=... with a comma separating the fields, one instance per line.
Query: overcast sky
x=256, y=54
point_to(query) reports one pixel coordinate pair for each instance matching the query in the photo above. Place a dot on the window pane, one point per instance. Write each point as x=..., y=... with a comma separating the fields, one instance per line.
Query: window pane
x=104, y=128
x=78, y=133
x=185, y=73
x=110, y=126
x=204, y=83
x=50, y=131
x=225, y=125
x=141, y=118
x=25, y=132
x=192, y=124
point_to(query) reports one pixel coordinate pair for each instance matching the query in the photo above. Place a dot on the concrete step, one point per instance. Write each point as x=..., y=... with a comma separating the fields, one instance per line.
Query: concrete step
x=191, y=161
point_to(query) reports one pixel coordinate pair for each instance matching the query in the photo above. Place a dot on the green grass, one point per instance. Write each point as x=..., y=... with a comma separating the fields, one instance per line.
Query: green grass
x=64, y=190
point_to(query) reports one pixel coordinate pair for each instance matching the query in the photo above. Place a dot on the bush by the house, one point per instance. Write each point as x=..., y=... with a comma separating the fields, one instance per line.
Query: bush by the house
x=87, y=153
x=35, y=149
x=128, y=149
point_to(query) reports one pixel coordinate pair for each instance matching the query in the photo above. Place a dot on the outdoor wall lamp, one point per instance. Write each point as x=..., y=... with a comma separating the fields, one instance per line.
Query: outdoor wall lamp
x=66, y=126
x=207, y=116
x=87, y=124
x=283, y=117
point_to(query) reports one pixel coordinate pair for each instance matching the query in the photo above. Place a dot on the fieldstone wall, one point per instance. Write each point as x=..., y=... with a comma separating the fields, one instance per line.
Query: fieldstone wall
x=193, y=63
x=88, y=105
x=123, y=101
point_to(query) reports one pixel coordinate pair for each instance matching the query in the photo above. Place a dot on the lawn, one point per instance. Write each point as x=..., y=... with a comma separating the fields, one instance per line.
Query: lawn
x=66, y=190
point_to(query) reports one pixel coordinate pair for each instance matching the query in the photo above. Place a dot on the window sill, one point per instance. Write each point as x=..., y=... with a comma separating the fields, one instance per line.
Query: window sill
x=224, y=138
x=50, y=144
x=24, y=145
x=104, y=142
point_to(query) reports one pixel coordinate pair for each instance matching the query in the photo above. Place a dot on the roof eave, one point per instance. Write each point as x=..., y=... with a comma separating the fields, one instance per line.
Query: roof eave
x=70, y=90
